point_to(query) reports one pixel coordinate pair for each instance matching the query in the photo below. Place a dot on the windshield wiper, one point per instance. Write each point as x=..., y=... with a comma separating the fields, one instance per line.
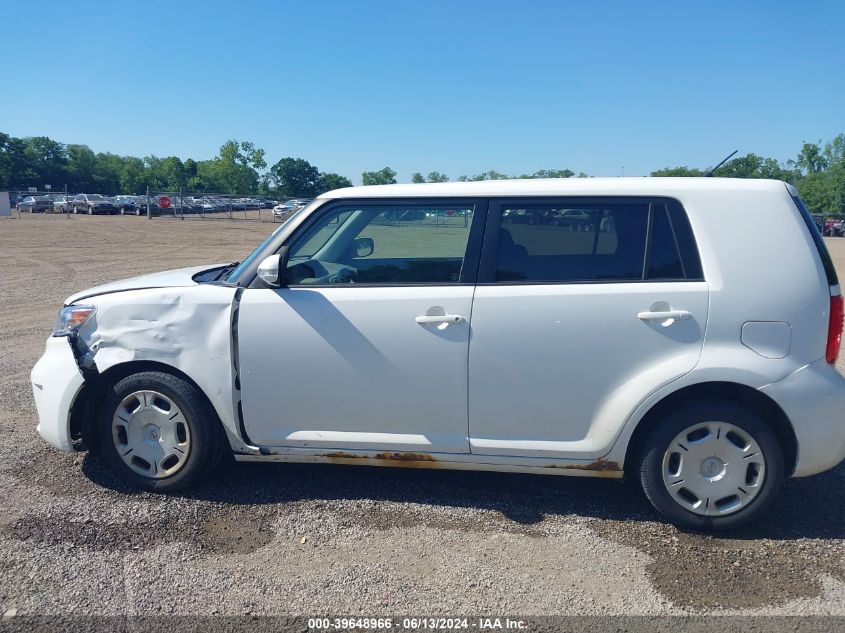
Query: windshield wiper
x=224, y=272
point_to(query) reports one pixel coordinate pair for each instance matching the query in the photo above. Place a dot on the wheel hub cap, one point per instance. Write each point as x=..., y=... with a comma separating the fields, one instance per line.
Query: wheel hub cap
x=713, y=468
x=151, y=434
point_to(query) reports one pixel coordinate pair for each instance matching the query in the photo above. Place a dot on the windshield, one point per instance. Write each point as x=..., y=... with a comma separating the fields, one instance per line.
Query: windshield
x=95, y=196
x=251, y=257
x=233, y=276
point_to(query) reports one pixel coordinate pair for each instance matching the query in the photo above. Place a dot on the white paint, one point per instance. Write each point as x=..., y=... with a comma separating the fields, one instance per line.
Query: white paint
x=349, y=367
x=56, y=381
x=556, y=369
x=770, y=339
x=529, y=377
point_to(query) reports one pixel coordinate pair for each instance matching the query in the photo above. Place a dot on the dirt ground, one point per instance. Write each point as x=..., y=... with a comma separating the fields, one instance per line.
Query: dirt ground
x=308, y=539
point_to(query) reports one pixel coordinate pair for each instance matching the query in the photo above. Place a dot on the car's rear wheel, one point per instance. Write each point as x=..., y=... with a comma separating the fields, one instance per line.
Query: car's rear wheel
x=711, y=466
x=158, y=433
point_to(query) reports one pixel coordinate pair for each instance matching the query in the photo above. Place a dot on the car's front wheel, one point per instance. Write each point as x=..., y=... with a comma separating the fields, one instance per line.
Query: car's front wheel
x=158, y=433
x=711, y=465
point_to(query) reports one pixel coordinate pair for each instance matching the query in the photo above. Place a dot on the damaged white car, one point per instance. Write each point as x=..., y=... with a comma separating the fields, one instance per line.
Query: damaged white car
x=477, y=326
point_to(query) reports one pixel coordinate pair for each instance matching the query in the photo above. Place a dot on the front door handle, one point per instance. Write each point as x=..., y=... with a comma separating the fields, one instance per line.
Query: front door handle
x=665, y=315
x=439, y=319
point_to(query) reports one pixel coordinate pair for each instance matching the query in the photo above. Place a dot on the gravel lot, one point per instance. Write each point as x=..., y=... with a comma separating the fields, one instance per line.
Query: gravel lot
x=297, y=539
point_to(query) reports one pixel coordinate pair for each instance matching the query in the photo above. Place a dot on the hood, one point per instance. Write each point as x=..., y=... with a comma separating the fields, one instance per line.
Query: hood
x=168, y=278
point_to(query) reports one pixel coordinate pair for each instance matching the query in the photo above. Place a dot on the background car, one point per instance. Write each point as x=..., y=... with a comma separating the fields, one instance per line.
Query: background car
x=62, y=204
x=286, y=209
x=35, y=204
x=93, y=203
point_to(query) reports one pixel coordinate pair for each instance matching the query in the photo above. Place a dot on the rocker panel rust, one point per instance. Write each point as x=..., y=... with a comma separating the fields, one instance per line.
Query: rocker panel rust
x=598, y=468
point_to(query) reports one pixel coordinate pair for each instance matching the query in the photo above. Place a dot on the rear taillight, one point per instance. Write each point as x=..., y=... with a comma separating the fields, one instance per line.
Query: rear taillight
x=834, y=328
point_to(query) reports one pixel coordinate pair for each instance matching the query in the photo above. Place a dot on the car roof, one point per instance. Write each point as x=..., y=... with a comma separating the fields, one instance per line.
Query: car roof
x=555, y=187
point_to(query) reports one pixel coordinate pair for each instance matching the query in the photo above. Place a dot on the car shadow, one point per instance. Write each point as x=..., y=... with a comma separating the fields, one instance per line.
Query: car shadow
x=806, y=508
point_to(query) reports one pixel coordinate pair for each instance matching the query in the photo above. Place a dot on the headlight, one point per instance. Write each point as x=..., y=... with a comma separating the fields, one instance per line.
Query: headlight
x=70, y=318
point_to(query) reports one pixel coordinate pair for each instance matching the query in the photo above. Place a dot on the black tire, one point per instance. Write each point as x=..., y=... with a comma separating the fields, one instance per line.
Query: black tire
x=208, y=441
x=650, y=471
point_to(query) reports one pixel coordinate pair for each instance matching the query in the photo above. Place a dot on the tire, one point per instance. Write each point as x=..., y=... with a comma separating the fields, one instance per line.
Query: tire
x=90, y=210
x=201, y=439
x=663, y=464
x=137, y=211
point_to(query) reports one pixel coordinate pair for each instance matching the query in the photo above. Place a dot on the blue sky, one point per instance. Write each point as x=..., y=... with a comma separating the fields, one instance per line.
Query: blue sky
x=459, y=87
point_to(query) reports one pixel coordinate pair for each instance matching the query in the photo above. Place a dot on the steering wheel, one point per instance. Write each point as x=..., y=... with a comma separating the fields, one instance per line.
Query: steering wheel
x=343, y=276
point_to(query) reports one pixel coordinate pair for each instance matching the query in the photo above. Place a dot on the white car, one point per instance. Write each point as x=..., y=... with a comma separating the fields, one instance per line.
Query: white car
x=285, y=209
x=676, y=345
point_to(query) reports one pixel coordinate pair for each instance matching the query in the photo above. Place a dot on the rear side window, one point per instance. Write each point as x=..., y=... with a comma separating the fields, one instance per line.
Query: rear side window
x=827, y=262
x=664, y=260
x=603, y=242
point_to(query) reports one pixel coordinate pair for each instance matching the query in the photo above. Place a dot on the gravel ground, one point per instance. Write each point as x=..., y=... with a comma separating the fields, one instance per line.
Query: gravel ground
x=309, y=539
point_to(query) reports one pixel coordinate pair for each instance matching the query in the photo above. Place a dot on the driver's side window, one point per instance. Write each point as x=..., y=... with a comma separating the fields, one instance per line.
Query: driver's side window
x=382, y=244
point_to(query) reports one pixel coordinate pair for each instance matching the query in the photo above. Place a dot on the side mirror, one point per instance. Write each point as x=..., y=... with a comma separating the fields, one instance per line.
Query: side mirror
x=272, y=268
x=363, y=247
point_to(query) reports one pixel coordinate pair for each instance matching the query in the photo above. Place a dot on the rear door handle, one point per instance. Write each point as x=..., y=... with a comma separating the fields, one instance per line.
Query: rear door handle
x=675, y=315
x=439, y=319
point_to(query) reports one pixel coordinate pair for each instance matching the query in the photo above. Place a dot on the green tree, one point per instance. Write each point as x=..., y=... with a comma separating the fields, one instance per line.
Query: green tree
x=834, y=152
x=295, y=177
x=235, y=169
x=436, y=176
x=487, y=175
x=385, y=176
x=81, y=168
x=417, y=177
x=551, y=173
x=47, y=161
x=132, y=175
x=172, y=172
x=811, y=158
x=331, y=181
x=107, y=173
x=677, y=172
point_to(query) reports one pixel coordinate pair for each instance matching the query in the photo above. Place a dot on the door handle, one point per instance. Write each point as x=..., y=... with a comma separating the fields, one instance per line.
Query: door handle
x=439, y=319
x=665, y=315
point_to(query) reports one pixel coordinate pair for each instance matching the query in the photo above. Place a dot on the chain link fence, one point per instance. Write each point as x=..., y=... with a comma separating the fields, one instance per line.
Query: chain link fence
x=207, y=206
x=178, y=204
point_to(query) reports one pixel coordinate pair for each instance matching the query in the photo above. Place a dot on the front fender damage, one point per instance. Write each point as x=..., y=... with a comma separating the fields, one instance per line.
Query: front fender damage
x=186, y=329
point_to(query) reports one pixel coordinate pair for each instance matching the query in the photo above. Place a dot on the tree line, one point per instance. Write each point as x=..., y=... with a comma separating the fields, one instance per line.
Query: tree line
x=818, y=171
x=240, y=167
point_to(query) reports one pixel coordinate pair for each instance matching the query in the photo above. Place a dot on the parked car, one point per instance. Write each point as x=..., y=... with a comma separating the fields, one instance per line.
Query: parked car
x=93, y=203
x=127, y=205
x=286, y=209
x=62, y=204
x=658, y=348
x=155, y=207
x=36, y=204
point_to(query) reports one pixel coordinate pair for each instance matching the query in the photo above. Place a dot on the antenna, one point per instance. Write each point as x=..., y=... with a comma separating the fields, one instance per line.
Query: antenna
x=709, y=174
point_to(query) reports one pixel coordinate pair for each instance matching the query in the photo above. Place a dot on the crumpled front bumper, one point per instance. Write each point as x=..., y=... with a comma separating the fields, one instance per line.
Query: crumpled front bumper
x=56, y=381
